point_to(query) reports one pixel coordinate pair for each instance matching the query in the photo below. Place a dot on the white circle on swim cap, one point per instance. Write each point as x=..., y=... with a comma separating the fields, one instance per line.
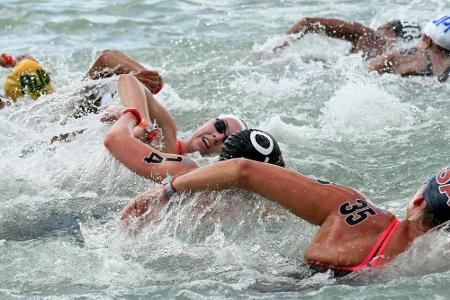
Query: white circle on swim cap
x=237, y=119
x=410, y=29
x=439, y=31
x=258, y=147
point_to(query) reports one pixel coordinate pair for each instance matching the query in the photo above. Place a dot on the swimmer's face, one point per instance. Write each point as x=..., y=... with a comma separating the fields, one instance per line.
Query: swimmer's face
x=208, y=139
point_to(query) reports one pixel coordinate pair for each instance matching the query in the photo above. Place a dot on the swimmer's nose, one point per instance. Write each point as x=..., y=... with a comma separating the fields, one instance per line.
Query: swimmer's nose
x=218, y=138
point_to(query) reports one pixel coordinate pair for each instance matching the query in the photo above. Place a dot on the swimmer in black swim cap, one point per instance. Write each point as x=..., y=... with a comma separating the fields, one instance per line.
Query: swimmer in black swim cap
x=252, y=144
x=402, y=29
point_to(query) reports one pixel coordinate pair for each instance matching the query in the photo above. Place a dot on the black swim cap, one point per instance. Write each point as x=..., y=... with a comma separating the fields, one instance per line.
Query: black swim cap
x=252, y=144
x=437, y=195
x=407, y=30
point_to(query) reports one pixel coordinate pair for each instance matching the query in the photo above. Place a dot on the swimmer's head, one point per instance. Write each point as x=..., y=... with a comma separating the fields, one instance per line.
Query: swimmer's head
x=401, y=29
x=209, y=138
x=438, y=30
x=27, y=78
x=252, y=144
x=437, y=195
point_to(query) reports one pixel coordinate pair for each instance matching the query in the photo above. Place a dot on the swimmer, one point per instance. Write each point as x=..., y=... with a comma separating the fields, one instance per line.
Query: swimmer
x=206, y=140
x=353, y=233
x=430, y=57
x=252, y=144
x=27, y=77
x=364, y=39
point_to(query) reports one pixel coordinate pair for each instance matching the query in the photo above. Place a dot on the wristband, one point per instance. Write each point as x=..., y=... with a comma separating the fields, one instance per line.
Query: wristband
x=169, y=190
x=151, y=132
x=8, y=59
x=135, y=113
x=159, y=88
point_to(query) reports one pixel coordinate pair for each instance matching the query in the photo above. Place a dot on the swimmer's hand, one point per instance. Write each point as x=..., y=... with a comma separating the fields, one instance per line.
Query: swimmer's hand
x=151, y=79
x=144, y=208
x=112, y=113
x=285, y=41
x=278, y=48
x=4, y=103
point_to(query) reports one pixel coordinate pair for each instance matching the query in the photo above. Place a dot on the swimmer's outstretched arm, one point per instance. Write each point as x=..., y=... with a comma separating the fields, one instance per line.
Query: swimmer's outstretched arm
x=309, y=199
x=349, y=31
x=112, y=62
x=141, y=158
x=399, y=63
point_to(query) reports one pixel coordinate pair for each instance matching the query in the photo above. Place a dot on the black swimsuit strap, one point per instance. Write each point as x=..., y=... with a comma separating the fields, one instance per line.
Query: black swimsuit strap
x=429, y=71
x=444, y=76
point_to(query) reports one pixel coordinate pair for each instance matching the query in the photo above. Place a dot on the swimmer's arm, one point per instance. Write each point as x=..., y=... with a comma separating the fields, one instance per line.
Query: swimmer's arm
x=141, y=158
x=398, y=63
x=305, y=197
x=133, y=93
x=112, y=62
x=349, y=31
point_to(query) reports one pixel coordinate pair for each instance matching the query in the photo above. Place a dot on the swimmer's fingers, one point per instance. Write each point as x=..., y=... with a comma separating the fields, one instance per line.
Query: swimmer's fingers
x=144, y=207
x=279, y=47
x=112, y=114
x=107, y=117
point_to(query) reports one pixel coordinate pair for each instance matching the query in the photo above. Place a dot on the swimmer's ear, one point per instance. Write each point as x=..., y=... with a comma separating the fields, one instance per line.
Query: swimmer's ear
x=419, y=201
x=425, y=41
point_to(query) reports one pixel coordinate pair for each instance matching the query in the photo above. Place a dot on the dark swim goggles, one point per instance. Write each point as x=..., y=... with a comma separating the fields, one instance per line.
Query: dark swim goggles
x=221, y=126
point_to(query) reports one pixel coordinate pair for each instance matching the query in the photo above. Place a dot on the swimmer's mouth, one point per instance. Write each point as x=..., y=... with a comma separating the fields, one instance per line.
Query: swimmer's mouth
x=206, y=142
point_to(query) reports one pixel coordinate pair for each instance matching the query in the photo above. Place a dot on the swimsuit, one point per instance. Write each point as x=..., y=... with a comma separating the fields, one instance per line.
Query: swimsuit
x=372, y=259
x=179, y=147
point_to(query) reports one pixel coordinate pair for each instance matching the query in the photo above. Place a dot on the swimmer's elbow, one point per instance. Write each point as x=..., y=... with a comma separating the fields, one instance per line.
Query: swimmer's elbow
x=299, y=26
x=110, y=140
x=243, y=169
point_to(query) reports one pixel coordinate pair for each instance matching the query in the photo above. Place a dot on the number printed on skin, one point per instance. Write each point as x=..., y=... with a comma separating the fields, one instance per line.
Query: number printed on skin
x=356, y=213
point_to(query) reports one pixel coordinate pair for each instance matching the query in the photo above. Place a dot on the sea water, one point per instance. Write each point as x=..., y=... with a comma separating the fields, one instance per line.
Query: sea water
x=335, y=120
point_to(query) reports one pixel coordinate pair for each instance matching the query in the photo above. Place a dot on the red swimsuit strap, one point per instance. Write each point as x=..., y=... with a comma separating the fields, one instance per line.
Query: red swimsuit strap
x=375, y=260
x=377, y=249
x=179, y=147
